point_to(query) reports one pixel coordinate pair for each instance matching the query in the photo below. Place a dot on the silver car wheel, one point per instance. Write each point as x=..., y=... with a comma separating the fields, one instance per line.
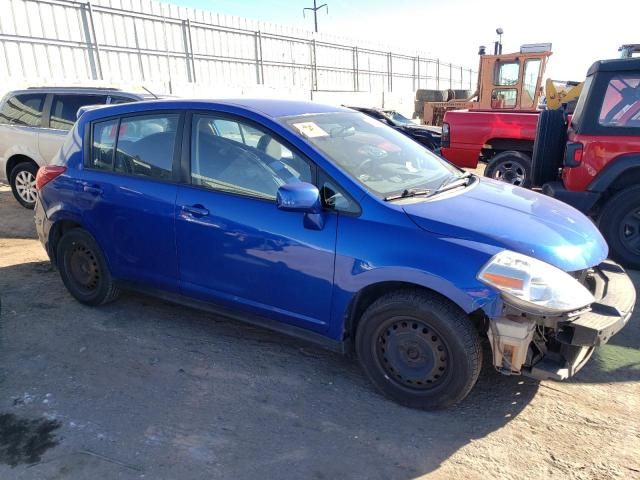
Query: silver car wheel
x=26, y=186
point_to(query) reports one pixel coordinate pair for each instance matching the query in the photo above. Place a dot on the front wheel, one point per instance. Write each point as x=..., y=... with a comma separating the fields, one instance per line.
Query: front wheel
x=23, y=183
x=83, y=268
x=510, y=167
x=419, y=349
x=620, y=225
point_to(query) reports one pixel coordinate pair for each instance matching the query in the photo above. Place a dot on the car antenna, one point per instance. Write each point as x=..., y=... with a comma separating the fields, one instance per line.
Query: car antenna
x=150, y=92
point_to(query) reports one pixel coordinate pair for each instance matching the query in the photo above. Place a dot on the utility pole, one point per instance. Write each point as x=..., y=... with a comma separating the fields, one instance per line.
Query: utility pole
x=315, y=12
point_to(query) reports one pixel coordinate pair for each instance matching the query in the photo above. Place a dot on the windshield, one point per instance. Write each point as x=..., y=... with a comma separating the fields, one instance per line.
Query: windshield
x=398, y=118
x=384, y=161
x=579, y=110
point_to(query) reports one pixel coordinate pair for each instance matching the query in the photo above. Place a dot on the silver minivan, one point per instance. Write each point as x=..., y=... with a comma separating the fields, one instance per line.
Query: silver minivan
x=33, y=126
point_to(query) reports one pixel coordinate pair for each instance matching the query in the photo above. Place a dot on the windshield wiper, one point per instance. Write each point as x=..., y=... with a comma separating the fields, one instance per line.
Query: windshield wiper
x=452, y=182
x=407, y=193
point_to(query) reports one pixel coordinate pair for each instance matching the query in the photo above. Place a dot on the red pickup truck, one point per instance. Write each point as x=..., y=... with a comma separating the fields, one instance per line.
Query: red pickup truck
x=502, y=139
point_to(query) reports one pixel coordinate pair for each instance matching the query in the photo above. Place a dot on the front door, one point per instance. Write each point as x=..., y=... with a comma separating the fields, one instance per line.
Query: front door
x=235, y=247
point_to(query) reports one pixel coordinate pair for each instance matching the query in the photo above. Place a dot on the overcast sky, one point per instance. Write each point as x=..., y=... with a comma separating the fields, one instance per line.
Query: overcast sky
x=581, y=31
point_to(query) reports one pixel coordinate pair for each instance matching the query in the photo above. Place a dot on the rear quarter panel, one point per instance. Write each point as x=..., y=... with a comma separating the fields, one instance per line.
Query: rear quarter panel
x=470, y=130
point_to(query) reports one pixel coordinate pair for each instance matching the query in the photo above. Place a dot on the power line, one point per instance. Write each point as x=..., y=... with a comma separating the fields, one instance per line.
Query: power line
x=315, y=9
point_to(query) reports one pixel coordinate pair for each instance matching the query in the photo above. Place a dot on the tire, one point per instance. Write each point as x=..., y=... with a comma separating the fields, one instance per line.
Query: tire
x=549, y=147
x=510, y=167
x=430, y=95
x=462, y=94
x=427, y=339
x=84, y=270
x=619, y=223
x=23, y=183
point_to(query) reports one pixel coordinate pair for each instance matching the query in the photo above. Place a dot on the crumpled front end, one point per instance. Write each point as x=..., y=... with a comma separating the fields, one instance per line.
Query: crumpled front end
x=557, y=347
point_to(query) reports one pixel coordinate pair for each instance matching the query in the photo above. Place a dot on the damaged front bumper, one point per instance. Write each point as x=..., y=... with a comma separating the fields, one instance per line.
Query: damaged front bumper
x=557, y=347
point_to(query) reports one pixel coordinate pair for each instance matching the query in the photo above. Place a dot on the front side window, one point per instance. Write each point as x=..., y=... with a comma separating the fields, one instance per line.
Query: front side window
x=236, y=157
x=146, y=145
x=504, y=98
x=621, y=103
x=25, y=110
x=507, y=73
x=384, y=161
x=65, y=108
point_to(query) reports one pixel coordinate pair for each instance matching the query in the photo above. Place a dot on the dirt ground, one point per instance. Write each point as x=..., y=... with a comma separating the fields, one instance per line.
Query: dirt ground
x=145, y=389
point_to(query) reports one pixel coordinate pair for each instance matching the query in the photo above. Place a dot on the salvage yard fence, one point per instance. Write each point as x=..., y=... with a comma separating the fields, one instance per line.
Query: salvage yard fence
x=152, y=42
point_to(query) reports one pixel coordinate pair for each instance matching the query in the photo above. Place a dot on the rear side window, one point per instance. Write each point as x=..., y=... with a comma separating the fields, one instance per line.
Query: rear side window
x=25, y=110
x=65, y=108
x=621, y=103
x=146, y=144
x=104, y=141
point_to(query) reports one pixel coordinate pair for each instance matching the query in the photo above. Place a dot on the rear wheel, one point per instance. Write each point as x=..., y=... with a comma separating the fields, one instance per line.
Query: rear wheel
x=83, y=268
x=23, y=183
x=620, y=225
x=510, y=167
x=419, y=349
x=549, y=146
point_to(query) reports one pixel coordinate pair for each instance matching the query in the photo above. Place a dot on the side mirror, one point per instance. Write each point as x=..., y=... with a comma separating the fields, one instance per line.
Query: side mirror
x=299, y=197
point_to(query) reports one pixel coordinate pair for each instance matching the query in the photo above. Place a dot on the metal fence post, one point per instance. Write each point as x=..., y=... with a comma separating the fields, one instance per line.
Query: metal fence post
x=450, y=76
x=437, y=74
x=96, y=46
x=314, y=66
x=135, y=38
x=356, y=80
x=193, y=62
x=390, y=71
x=470, y=80
x=259, y=63
x=185, y=39
x=418, y=72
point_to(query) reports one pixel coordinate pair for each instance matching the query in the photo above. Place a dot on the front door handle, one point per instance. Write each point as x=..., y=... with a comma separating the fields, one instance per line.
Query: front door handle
x=195, y=210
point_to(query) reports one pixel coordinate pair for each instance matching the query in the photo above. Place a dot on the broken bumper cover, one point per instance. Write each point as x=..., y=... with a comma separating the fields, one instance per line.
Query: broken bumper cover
x=578, y=337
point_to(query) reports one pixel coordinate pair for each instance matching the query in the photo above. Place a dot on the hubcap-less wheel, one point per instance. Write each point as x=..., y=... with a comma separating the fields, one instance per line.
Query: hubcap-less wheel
x=630, y=231
x=412, y=353
x=26, y=186
x=84, y=268
x=510, y=172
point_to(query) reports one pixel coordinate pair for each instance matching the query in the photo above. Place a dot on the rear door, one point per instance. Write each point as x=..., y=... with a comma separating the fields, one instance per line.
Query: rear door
x=62, y=109
x=20, y=119
x=128, y=192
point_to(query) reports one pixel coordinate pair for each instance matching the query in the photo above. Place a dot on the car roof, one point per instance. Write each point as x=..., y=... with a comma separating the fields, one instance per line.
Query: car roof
x=81, y=90
x=267, y=107
x=615, y=65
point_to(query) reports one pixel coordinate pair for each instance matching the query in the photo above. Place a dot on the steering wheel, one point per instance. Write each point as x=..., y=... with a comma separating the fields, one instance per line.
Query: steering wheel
x=365, y=163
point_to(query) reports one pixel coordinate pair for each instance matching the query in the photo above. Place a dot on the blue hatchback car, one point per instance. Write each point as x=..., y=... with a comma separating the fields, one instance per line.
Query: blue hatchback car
x=325, y=224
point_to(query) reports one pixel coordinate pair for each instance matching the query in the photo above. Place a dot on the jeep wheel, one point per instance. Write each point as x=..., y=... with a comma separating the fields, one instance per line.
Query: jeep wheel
x=549, y=146
x=419, y=349
x=23, y=183
x=84, y=270
x=510, y=167
x=620, y=225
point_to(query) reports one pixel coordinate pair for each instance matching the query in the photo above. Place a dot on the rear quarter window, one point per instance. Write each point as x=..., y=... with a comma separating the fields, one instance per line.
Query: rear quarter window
x=24, y=109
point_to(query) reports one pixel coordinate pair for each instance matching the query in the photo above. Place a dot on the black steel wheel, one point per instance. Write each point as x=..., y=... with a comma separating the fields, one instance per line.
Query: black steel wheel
x=412, y=352
x=510, y=167
x=419, y=349
x=83, y=268
x=620, y=225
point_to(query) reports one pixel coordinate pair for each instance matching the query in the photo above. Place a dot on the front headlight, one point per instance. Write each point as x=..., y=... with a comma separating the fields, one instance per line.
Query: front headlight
x=534, y=286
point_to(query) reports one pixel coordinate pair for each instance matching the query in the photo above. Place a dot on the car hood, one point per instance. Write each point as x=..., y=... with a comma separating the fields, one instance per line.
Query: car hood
x=516, y=219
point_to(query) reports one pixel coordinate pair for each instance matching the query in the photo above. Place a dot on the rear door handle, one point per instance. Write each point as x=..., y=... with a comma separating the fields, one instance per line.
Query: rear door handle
x=195, y=210
x=93, y=189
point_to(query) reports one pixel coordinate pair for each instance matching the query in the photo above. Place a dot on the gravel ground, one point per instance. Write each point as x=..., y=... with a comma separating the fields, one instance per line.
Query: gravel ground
x=145, y=389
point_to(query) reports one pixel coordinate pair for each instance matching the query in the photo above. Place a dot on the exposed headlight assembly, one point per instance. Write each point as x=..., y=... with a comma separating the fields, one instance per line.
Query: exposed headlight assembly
x=534, y=286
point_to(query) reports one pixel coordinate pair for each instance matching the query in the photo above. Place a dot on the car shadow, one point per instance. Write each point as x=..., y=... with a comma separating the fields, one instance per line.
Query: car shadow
x=177, y=393
x=16, y=221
